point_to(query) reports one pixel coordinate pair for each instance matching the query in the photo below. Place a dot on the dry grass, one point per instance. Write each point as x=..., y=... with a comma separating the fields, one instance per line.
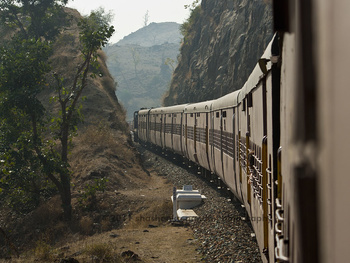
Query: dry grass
x=86, y=225
x=103, y=252
x=43, y=252
x=158, y=213
x=101, y=150
x=98, y=136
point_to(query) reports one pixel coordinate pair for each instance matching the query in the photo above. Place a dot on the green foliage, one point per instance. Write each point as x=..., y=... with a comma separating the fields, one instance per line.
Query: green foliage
x=94, y=34
x=88, y=195
x=34, y=19
x=187, y=27
x=34, y=146
x=43, y=251
x=170, y=62
x=23, y=66
x=193, y=5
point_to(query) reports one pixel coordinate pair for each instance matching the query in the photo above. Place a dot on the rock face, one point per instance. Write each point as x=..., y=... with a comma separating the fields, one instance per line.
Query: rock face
x=220, y=49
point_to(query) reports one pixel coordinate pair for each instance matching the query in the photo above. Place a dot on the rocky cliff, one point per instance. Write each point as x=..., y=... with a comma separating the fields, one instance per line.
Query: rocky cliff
x=221, y=46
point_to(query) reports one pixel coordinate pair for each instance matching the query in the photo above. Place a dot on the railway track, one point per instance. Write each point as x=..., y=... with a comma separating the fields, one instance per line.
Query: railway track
x=222, y=230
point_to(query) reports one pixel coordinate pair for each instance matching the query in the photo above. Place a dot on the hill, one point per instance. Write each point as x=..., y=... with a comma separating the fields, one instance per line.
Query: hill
x=102, y=149
x=153, y=34
x=131, y=208
x=142, y=64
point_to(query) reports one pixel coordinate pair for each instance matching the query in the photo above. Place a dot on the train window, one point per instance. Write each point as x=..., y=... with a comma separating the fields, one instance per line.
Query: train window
x=174, y=115
x=224, y=114
x=169, y=115
x=217, y=115
x=191, y=114
x=198, y=114
x=243, y=108
x=250, y=100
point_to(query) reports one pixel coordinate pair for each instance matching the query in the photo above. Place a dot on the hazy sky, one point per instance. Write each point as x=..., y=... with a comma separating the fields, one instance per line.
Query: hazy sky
x=129, y=14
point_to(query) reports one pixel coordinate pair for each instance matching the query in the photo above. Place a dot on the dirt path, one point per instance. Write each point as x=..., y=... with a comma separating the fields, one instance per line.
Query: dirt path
x=161, y=244
x=147, y=233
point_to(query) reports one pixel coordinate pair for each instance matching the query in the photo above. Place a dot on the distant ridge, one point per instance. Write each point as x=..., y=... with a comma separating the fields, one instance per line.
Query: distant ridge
x=142, y=64
x=154, y=34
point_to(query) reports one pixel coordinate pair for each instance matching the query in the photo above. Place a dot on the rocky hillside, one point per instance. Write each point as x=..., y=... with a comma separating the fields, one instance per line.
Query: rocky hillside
x=222, y=44
x=142, y=64
x=153, y=34
x=101, y=149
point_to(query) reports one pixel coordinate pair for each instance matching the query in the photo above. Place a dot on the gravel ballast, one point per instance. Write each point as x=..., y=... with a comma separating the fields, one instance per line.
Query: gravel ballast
x=222, y=229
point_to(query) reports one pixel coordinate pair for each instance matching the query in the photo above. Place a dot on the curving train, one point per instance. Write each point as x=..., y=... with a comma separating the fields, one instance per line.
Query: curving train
x=280, y=143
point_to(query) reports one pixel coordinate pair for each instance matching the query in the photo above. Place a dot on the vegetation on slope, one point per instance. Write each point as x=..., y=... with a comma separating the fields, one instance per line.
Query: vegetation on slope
x=143, y=65
x=35, y=144
x=99, y=160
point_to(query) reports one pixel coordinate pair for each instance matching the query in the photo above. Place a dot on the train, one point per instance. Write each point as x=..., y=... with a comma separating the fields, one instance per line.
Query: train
x=280, y=143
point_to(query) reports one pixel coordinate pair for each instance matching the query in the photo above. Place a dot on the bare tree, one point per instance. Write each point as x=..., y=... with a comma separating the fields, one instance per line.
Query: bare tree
x=136, y=58
x=146, y=18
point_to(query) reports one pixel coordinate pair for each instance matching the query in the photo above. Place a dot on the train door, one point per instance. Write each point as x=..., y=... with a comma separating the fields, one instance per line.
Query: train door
x=182, y=132
x=195, y=135
x=152, y=131
x=211, y=141
x=185, y=135
x=161, y=130
x=135, y=127
x=217, y=143
x=222, y=128
x=207, y=145
x=191, y=136
x=149, y=127
x=164, y=124
x=247, y=145
x=173, y=121
x=264, y=181
x=234, y=148
x=238, y=152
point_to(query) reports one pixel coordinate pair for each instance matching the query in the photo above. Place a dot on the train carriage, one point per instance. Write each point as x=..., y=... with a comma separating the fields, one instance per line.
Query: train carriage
x=242, y=142
x=143, y=125
x=270, y=147
x=156, y=126
x=197, y=132
x=281, y=145
x=172, y=128
x=222, y=144
x=254, y=151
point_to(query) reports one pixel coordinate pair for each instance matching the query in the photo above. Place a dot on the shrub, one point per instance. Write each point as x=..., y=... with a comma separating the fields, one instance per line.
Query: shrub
x=88, y=197
x=102, y=253
x=187, y=26
x=43, y=252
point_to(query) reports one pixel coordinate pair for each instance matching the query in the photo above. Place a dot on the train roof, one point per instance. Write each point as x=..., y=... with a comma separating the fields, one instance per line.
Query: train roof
x=227, y=101
x=144, y=111
x=157, y=110
x=170, y=109
x=204, y=106
x=175, y=108
x=257, y=74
